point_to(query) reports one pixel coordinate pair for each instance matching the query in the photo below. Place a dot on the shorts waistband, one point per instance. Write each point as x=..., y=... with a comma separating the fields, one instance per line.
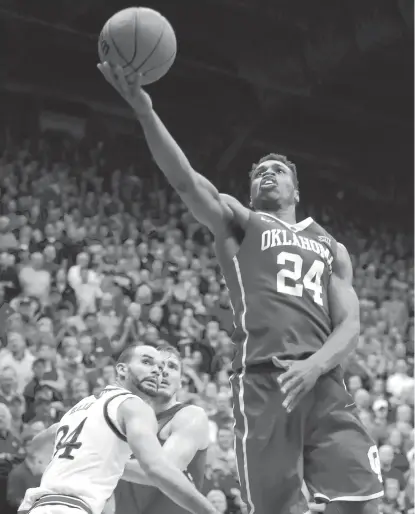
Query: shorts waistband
x=62, y=499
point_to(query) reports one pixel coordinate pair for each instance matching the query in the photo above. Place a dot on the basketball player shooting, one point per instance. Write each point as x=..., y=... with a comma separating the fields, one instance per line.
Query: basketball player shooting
x=296, y=316
x=94, y=441
x=183, y=430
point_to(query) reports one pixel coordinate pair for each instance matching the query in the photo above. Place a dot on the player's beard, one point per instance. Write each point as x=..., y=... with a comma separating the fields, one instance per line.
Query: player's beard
x=144, y=387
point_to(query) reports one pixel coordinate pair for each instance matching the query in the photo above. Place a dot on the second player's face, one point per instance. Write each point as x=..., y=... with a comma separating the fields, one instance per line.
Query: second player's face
x=171, y=377
x=272, y=186
x=144, y=371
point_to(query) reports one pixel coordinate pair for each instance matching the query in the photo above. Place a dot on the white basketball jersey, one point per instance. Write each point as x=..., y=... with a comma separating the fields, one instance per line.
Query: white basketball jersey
x=90, y=451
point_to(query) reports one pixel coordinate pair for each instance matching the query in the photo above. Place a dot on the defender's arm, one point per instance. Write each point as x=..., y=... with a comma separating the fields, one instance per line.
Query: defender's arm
x=190, y=433
x=140, y=425
x=344, y=312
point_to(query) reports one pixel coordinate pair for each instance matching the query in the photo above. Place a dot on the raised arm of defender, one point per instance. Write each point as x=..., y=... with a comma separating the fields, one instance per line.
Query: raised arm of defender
x=140, y=425
x=197, y=192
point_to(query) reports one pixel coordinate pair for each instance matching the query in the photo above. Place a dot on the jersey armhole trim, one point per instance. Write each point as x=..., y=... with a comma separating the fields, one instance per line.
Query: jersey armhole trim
x=109, y=421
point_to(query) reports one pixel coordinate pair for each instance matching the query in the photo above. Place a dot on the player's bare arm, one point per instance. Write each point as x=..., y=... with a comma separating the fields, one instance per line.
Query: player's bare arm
x=197, y=192
x=44, y=439
x=189, y=434
x=140, y=425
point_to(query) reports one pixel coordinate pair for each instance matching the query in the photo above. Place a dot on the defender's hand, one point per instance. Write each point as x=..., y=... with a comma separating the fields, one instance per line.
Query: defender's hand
x=297, y=381
x=132, y=93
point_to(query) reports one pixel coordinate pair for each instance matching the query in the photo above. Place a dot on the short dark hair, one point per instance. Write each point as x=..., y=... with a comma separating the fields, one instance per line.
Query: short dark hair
x=127, y=354
x=277, y=157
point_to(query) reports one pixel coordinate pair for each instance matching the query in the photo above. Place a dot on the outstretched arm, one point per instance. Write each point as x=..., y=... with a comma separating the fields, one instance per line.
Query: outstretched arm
x=344, y=312
x=196, y=191
x=190, y=433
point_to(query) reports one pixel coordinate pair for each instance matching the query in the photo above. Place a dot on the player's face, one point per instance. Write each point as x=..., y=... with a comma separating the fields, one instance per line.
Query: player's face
x=171, y=377
x=272, y=186
x=144, y=370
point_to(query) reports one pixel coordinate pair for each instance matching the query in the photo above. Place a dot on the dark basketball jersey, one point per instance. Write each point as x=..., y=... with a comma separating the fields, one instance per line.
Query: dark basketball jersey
x=278, y=285
x=140, y=499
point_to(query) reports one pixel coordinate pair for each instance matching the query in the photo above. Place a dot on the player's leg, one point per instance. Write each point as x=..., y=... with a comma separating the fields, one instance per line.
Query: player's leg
x=268, y=446
x=341, y=461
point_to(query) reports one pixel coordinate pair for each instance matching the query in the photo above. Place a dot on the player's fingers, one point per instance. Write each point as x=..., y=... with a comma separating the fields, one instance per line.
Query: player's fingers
x=120, y=77
x=293, y=398
x=285, y=377
x=280, y=364
x=291, y=384
x=108, y=73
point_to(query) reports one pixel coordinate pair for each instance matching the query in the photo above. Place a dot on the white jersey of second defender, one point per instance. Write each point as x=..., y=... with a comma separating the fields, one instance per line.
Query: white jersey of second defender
x=90, y=451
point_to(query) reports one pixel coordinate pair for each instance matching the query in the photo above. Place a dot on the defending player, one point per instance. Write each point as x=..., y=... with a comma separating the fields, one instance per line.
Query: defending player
x=296, y=316
x=183, y=431
x=95, y=439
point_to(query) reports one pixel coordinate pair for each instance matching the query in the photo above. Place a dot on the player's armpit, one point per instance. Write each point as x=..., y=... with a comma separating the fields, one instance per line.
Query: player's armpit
x=344, y=312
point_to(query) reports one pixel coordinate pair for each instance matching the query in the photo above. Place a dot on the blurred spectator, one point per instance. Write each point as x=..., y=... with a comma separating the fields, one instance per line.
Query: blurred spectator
x=89, y=265
x=10, y=454
x=24, y=476
x=17, y=356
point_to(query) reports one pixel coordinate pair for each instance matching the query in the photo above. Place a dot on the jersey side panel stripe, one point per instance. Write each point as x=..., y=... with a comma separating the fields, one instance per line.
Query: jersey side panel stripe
x=108, y=419
x=241, y=387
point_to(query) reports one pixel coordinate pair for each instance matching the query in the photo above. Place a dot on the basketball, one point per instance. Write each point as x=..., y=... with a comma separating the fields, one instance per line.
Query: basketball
x=141, y=41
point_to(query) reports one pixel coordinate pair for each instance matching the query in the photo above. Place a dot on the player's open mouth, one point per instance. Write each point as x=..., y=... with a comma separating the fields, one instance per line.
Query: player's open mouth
x=164, y=383
x=268, y=183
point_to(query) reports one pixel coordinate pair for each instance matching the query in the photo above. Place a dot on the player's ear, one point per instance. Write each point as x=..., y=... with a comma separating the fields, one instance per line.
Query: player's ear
x=297, y=196
x=121, y=369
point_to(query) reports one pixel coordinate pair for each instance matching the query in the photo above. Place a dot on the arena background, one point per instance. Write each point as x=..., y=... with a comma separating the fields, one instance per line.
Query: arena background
x=328, y=82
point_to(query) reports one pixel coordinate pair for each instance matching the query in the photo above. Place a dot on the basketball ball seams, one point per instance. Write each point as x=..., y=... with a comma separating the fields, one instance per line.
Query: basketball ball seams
x=137, y=14
x=114, y=44
x=152, y=51
x=155, y=51
x=127, y=75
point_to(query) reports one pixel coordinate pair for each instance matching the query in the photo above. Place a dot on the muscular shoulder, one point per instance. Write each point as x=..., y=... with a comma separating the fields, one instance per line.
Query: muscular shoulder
x=194, y=421
x=342, y=266
x=240, y=213
x=134, y=408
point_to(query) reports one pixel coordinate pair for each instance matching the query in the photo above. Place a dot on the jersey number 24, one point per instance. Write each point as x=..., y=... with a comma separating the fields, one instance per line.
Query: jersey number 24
x=68, y=442
x=311, y=280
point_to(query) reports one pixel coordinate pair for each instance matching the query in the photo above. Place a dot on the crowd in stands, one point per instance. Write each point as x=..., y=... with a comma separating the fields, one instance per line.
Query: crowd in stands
x=92, y=260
